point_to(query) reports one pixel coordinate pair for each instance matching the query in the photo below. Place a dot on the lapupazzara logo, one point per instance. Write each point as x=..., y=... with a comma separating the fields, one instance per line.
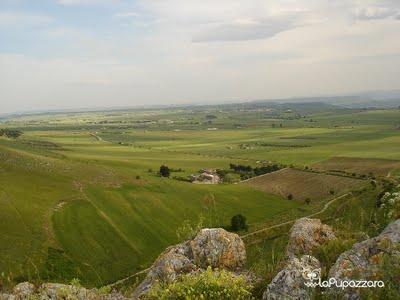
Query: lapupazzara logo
x=312, y=278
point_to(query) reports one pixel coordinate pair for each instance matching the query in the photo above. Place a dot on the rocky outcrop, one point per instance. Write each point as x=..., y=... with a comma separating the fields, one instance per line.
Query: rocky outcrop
x=218, y=248
x=364, y=259
x=289, y=283
x=56, y=291
x=211, y=247
x=306, y=235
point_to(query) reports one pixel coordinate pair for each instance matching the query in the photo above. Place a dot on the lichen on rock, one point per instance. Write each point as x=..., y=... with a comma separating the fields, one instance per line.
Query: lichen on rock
x=289, y=283
x=213, y=247
x=307, y=235
x=365, y=259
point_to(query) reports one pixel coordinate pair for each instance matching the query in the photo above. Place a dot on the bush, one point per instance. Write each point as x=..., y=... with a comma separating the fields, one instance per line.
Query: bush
x=188, y=230
x=290, y=197
x=218, y=285
x=238, y=222
x=164, y=171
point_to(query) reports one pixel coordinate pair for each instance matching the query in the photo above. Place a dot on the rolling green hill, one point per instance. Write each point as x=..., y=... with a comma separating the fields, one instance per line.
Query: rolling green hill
x=80, y=195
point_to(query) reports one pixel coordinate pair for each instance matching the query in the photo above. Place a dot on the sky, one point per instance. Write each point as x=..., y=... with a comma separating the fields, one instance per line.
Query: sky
x=60, y=54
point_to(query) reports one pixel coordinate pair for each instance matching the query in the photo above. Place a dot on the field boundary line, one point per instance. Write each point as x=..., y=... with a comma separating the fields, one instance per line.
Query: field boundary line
x=109, y=221
x=262, y=175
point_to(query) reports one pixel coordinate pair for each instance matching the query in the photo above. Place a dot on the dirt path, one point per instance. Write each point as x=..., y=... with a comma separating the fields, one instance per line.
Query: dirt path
x=326, y=206
x=96, y=137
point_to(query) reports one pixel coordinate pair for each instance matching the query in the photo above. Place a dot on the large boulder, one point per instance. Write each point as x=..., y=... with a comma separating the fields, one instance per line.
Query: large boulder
x=306, y=235
x=172, y=262
x=211, y=247
x=364, y=259
x=218, y=248
x=290, y=282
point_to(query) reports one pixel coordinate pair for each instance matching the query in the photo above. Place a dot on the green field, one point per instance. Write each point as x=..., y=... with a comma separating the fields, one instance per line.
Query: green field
x=80, y=195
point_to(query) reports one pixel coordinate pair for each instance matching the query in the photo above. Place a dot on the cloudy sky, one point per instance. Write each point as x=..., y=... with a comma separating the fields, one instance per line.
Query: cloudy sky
x=95, y=53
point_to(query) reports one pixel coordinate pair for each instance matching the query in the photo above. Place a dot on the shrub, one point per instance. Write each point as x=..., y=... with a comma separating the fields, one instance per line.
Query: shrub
x=188, y=230
x=218, y=285
x=164, y=171
x=290, y=197
x=238, y=222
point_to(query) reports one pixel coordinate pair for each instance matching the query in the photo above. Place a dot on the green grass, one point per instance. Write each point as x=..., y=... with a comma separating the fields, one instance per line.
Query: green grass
x=71, y=206
x=138, y=221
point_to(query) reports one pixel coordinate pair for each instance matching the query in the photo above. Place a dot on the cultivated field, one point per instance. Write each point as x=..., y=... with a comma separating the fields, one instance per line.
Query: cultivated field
x=80, y=195
x=365, y=166
x=302, y=185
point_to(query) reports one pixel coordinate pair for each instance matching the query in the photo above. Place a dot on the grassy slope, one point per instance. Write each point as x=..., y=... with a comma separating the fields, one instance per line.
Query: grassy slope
x=69, y=219
x=100, y=219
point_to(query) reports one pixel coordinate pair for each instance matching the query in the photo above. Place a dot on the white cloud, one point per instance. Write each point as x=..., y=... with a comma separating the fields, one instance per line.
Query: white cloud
x=11, y=18
x=245, y=30
x=174, y=51
x=129, y=14
x=376, y=13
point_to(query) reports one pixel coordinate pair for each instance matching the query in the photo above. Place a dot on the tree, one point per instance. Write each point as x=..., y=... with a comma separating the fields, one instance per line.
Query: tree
x=164, y=171
x=308, y=200
x=238, y=222
x=290, y=197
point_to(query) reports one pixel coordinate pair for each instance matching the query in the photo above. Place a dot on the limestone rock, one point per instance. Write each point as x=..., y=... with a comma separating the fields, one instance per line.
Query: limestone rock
x=24, y=290
x=306, y=235
x=364, y=259
x=211, y=247
x=289, y=283
x=56, y=291
x=218, y=248
x=173, y=261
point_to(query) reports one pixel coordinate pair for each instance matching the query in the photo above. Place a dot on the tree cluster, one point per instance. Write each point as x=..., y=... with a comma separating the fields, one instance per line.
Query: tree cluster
x=248, y=171
x=10, y=133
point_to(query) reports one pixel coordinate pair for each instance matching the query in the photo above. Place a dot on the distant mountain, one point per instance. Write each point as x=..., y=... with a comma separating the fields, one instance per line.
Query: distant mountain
x=372, y=99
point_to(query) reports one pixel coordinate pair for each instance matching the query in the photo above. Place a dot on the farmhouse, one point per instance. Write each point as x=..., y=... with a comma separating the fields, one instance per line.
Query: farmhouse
x=206, y=176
